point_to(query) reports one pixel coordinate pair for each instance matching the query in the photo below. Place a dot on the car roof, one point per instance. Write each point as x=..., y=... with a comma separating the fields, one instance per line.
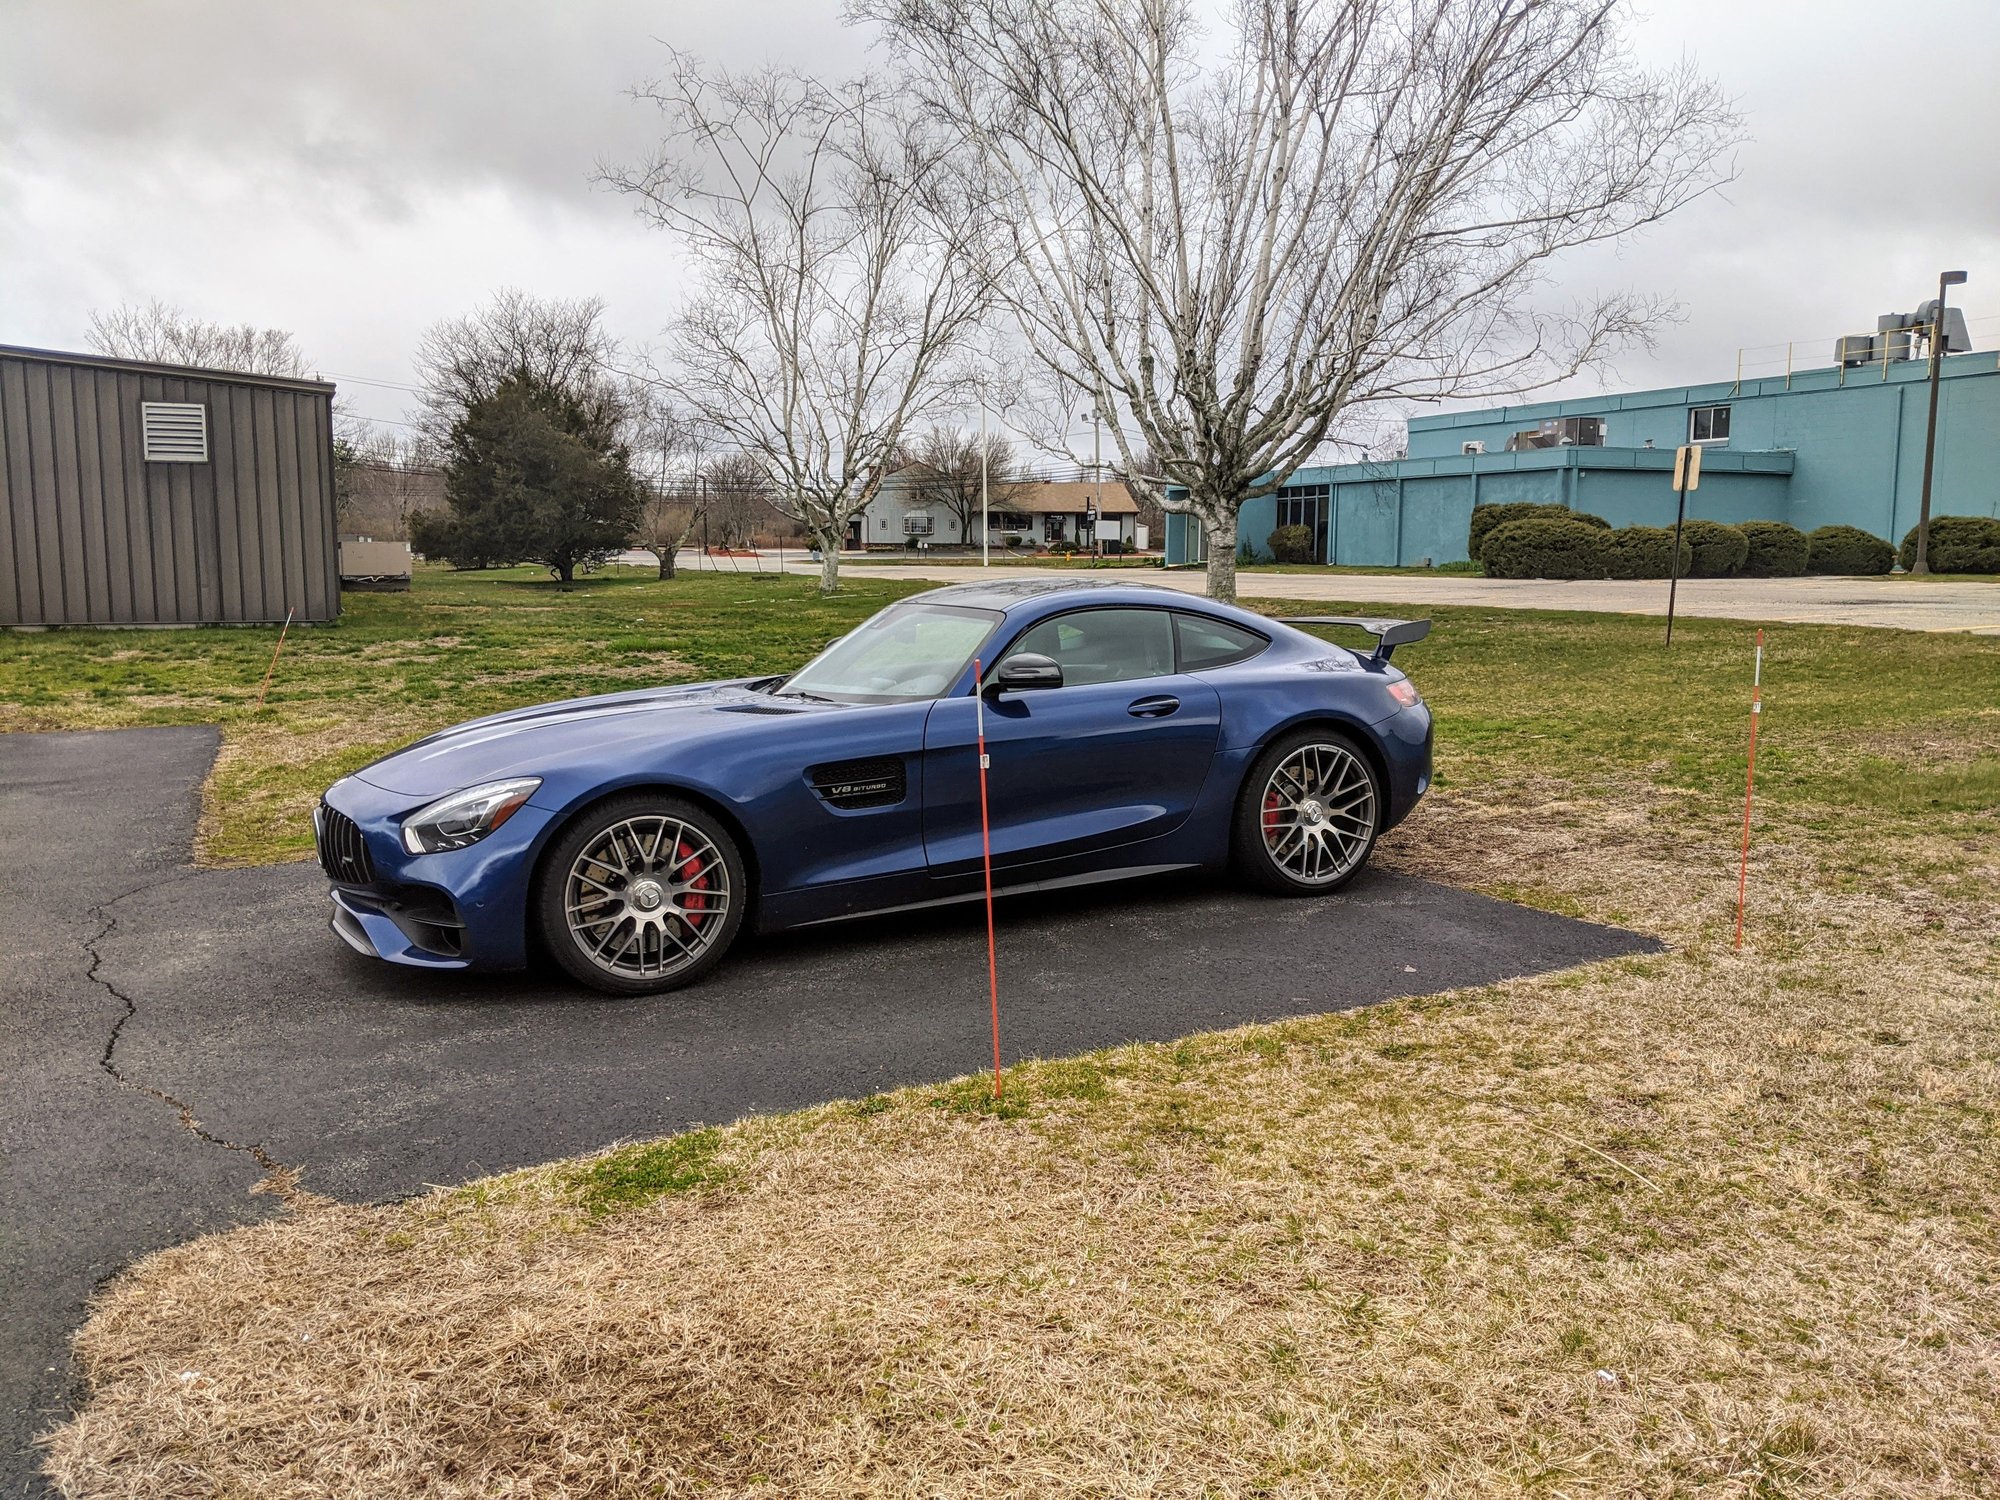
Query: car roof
x=1014, y=593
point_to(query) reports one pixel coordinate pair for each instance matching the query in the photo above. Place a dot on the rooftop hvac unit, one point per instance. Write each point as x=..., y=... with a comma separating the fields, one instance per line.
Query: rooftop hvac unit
x=1472, y=446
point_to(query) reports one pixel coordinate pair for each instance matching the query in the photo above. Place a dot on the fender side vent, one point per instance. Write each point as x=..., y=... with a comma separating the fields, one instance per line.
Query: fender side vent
x=851, y=784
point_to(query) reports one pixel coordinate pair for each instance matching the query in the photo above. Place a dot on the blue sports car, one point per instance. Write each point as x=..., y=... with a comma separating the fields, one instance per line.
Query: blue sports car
x=1130, y=729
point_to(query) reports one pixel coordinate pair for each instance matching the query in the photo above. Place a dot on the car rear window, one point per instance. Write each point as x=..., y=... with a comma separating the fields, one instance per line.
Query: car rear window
x=1214, y=643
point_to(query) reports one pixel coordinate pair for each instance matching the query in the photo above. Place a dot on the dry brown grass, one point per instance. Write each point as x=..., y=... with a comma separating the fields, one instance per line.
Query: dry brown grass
x=1696, y=1223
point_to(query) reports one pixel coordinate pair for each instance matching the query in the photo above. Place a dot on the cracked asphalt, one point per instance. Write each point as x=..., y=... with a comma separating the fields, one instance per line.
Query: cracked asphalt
x=191, y=1047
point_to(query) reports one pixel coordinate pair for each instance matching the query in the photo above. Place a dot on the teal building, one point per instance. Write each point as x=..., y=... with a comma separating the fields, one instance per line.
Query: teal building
x=1836, y=446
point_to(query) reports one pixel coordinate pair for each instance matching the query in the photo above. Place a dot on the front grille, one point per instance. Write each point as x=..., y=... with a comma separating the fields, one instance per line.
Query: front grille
x=852, y=784
x=343, y=852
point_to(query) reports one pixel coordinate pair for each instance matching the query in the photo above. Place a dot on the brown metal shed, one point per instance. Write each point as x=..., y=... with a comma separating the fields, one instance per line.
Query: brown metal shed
x=143, y=494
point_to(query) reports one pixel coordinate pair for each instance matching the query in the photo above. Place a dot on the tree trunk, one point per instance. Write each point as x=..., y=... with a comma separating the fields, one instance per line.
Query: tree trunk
x=566, y=572
x=666, y=557
x=1221, y=556
x=829, y=560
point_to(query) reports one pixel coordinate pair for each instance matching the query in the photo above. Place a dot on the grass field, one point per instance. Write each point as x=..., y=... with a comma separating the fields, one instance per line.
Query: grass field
x=1698, y=1223
x=397, y=666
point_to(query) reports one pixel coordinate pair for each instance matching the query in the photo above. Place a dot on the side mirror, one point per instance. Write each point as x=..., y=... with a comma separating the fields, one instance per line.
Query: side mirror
x=1023, y=673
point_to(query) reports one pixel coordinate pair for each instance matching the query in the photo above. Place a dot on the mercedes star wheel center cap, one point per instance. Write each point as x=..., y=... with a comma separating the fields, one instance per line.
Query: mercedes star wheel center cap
x=646, y=895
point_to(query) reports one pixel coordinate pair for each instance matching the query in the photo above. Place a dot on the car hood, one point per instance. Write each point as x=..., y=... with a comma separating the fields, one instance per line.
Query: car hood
x=531, y=741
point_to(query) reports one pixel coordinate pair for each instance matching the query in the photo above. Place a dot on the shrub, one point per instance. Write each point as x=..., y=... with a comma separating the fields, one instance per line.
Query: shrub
x=1546, y=547
x=1776, y=550
x=1719, y=550
x=1292, y=544
x=1643, y=552
x=1959, y=544
x=1486, y=517
x=1847, y=551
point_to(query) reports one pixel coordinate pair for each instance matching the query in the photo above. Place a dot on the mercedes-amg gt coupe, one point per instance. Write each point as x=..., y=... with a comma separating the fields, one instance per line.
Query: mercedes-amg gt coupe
x=1129, y=729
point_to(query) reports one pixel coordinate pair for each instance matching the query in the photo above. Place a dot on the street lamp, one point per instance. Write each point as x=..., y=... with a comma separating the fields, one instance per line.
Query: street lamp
x=1096, y=474
x=1921, y=563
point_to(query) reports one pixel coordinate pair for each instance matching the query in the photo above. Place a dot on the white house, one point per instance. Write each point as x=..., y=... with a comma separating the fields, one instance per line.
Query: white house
x=1034, y=514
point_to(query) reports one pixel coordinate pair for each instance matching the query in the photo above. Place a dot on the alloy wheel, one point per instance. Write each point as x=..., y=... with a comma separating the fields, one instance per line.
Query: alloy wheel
x=1318, y=813
x=646, y=897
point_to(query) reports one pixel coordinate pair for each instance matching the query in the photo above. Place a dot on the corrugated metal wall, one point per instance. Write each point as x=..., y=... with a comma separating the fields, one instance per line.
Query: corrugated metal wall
x=95, y=535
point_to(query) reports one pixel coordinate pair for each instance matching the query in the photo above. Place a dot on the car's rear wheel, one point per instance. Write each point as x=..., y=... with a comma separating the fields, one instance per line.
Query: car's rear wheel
x=641, y=894
x=1308, y=814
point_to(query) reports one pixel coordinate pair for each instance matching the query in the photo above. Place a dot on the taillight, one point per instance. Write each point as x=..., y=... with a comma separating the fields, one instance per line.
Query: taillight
x=1401, y=690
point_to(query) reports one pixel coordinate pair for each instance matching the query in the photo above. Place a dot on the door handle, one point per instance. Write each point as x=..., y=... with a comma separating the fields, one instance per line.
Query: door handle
x=1153, y=708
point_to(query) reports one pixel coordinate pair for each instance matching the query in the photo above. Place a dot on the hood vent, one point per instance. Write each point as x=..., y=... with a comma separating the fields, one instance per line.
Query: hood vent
x=854, y=784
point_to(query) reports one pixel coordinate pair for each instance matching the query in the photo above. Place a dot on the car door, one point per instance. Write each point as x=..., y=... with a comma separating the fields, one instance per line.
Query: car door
x=1116, y=755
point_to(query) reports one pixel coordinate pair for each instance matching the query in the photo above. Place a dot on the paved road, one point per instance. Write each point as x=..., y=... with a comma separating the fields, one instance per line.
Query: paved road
x=373, y=1082
x=1888, y=603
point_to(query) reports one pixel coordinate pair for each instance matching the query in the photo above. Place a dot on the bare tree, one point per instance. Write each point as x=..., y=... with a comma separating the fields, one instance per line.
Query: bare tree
x=556, y=343
x=166, y=335
x=670, y=449
x=737, y=494
x=1231, y=243
x=945, y=471
x=830, y=305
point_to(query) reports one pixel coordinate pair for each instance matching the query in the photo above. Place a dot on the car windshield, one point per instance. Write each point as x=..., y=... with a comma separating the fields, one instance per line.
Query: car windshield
x=907, y=652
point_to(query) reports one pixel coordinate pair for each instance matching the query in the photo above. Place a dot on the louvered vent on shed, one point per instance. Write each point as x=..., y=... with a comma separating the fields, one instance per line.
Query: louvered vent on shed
x=176, y=432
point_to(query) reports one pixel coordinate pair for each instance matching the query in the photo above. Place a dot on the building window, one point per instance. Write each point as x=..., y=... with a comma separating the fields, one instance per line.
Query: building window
x=1708, y=424
x=917, y=523
x=1306, y=505
x=174, y=432
x=1580, y=432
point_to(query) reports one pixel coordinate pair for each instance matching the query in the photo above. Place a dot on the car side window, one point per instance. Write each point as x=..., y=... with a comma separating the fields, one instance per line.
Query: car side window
x=1104, y=645
x=1214, y=643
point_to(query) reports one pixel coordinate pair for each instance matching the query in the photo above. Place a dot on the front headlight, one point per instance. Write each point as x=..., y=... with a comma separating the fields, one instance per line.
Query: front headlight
x=465, y=817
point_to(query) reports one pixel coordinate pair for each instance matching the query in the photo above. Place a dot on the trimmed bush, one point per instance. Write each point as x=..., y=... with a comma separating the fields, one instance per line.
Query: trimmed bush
x=1643, y=552
x=1776, y=550
x=1847, y=552
x=1719, y=550
x=1486, y=517
x=1292, y=544
x=1959, y=544
x=1546, y=547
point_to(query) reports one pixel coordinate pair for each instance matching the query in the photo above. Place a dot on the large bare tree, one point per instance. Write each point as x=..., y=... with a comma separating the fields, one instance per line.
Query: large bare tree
x=945, y=471
x=166, y=335
x=832, y=302
x=555, y=343
x=1231, y=242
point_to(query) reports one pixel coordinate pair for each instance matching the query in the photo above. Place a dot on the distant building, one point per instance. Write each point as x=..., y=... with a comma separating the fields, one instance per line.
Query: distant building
x=143, y=494
x=1839, y=445
x=1032, y=513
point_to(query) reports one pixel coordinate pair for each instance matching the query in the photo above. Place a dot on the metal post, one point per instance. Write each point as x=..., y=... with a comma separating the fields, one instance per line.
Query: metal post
x=985, y=518
x=1674, y=563
x=1097, y=474
x=1921, y=563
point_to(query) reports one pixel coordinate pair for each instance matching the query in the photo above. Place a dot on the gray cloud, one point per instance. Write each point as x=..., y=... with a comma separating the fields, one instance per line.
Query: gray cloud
x=354, y=172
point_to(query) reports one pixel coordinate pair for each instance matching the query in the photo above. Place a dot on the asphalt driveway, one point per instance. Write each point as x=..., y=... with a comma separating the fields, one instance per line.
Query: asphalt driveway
x=178, y=1033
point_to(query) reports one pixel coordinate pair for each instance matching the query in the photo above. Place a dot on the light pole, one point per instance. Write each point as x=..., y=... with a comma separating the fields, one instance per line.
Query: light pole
x=1921, y=563
x=1097, y=477
x=985, y=519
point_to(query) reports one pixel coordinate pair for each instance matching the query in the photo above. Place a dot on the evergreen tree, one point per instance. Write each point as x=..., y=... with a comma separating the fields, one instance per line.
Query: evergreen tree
x=536, y=473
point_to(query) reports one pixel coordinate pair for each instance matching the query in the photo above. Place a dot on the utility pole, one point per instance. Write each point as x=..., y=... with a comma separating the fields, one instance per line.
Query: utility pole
x=985, y=518
x=1097, y=476
x=1921, y=563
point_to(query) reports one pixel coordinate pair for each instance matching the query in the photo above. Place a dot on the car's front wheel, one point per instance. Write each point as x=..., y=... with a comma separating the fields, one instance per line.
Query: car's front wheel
x=1308, y=813
x=641, y=894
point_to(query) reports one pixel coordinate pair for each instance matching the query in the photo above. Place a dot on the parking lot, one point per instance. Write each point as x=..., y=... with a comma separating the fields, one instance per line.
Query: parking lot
x=185, y=1036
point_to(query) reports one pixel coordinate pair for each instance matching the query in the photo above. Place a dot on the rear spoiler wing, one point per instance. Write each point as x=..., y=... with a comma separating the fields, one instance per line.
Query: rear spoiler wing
x=1389, y=634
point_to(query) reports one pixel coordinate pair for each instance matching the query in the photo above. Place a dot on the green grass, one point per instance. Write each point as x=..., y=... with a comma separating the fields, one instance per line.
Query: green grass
x=630, y=1176
x=397, y=666
x=1863, y=720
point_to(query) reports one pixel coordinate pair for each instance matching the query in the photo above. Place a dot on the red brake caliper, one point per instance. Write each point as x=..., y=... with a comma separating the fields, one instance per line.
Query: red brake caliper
x=690, y=868
x=1271, y=806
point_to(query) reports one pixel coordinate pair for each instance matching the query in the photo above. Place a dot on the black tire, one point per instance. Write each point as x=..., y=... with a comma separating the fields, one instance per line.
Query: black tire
x=665, y=914
x=1271, y=845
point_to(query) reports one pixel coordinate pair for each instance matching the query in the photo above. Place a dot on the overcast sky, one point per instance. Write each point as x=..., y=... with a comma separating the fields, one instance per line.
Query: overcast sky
x=353, y=171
